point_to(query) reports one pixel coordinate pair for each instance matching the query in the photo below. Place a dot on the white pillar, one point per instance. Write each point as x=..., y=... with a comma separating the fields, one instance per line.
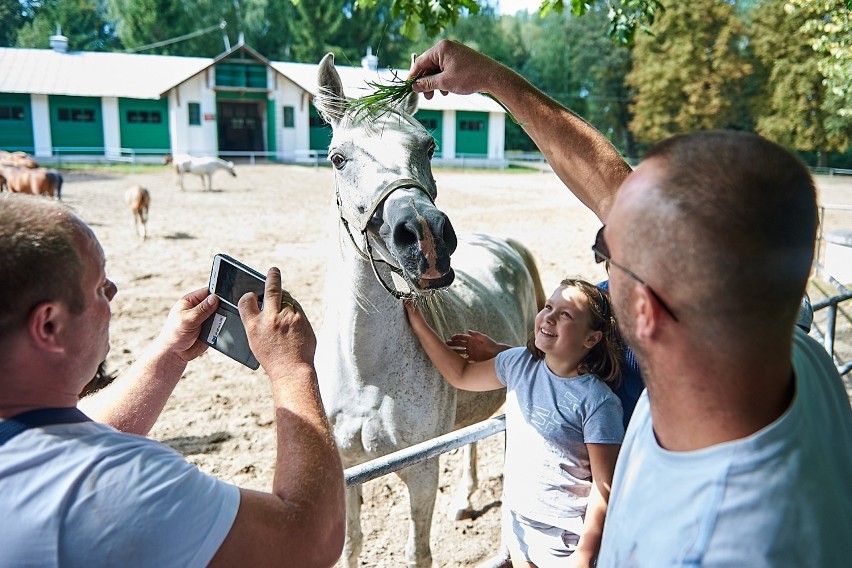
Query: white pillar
x=42, y=139
x=112, y=126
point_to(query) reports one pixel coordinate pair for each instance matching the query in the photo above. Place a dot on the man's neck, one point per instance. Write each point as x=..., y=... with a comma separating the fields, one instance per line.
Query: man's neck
x=698, y=405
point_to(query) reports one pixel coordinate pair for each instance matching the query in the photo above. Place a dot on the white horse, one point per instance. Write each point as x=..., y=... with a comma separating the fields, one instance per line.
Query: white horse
x=380, y=390
x=203, y=167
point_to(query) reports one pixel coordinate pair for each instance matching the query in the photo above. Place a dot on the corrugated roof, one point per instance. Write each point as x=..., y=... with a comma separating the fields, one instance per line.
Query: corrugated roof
x=138, y=76
x=93, y=74
x=355, y=84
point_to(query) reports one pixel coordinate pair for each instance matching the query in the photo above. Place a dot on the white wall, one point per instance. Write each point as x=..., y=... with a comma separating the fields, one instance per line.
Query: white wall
x=448, y=135
x=200, y=140
x=496, y=135
x=42, y=139
x=112, y=126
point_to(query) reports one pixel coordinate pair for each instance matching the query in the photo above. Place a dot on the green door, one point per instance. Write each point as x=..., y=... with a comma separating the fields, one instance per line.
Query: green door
x=144, y=124
x=76, y=124
x=319, y=129
x=432, y=120
x=16, y=123
x=472, y=133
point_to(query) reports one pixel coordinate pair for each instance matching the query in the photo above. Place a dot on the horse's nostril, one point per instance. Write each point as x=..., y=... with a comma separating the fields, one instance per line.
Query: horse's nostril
x=405, y=235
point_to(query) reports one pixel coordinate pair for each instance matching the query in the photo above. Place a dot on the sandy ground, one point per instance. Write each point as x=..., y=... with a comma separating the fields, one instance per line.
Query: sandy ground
x=220, y=416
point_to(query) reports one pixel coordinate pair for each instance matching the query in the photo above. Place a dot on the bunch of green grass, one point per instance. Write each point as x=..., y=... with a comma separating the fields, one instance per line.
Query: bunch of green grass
x=388, y=96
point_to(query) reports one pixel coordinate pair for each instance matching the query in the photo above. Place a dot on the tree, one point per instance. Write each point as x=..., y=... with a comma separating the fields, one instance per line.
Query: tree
x=689, y=73
x=12, y=17
x=829, y=29
x=792, y=107
x=625, y=17
x=83, y=22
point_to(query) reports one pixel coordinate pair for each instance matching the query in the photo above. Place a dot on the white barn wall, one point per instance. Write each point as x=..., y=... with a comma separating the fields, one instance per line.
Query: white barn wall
x=112, y=126
x=448, y=135
x=496, y=135
x=42, y=139
x=201, y=140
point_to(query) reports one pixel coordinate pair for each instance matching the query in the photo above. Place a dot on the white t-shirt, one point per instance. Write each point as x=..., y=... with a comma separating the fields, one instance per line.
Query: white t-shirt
x=88, y=495
x=780, y=497
x=547, y=476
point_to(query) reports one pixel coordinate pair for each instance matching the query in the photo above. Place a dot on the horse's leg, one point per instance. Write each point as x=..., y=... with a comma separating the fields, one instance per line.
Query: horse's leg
x=460, y=507
x=422, y=483
x=354, y=536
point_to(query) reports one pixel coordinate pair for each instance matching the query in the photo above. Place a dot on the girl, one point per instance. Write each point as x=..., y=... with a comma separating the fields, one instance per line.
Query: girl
x=563, y=423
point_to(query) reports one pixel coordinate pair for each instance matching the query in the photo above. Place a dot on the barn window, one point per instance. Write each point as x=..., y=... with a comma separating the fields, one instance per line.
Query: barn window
x=289, y=116
x=472, y=125
x=144, y=116
x=430, y=124
x=76, y=115
x=11, y=113
x=194, y=114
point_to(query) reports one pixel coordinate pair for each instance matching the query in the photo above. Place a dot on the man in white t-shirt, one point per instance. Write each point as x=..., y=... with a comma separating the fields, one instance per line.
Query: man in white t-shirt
x=738, y=452
x=88, y=489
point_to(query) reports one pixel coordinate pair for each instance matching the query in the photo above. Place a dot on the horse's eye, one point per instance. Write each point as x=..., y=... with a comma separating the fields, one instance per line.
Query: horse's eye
x=431, y=150
x=338, y=161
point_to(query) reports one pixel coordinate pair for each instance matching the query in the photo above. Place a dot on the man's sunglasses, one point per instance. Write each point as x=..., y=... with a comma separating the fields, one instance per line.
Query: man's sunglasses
x=601, y=251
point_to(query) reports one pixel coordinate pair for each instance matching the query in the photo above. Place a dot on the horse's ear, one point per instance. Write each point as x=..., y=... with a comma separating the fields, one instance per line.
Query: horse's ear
x=410, y=105
x=330, y=100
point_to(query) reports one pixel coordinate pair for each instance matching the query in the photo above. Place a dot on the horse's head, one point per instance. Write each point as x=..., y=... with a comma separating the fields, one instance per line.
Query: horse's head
x=384, y=184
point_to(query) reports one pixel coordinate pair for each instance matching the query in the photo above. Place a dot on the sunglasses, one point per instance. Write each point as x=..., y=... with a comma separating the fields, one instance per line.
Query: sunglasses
x=601, y=251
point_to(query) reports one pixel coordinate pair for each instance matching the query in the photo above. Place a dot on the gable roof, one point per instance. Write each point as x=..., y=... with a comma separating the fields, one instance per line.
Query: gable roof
x=138, y=76
x=93, y=74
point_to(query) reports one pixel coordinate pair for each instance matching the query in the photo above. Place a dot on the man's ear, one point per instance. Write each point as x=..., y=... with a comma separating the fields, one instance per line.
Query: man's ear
x=646, y=312
x=45, y=325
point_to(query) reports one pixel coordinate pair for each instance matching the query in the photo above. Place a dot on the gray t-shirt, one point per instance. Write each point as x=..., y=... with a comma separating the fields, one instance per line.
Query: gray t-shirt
x=549, y=421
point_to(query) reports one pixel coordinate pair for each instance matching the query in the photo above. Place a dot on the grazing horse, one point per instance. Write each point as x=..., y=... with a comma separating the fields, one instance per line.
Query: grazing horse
x=202, y=167
x=37, y=181
x=380, y=390
x=138, y=199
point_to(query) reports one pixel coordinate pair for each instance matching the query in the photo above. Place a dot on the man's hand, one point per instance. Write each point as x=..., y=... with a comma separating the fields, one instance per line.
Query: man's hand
x=179, y=335
x=452, y=67
x=280, y=335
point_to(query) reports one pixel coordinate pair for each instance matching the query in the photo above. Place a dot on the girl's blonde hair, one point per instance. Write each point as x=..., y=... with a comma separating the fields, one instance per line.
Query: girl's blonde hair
x=604, y=359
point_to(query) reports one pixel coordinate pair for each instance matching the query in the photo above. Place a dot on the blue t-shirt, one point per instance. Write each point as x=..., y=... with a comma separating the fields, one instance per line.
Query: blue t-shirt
x=549, y=421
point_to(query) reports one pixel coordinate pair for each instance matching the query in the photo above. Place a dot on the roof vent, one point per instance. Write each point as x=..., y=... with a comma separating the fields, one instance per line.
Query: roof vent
x=370, y=61
x=58, y=42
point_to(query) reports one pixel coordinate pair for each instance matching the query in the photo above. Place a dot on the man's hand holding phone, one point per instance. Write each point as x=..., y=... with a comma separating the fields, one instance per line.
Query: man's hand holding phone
x=280, y=335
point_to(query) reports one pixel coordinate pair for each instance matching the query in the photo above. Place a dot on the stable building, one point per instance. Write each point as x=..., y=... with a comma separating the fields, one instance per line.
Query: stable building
x=92, y=106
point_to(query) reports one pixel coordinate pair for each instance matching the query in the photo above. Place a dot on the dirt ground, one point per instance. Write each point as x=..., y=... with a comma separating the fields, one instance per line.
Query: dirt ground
x=220, y=416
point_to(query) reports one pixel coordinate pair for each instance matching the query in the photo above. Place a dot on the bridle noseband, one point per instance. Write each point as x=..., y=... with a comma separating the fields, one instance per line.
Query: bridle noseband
x=361, y=222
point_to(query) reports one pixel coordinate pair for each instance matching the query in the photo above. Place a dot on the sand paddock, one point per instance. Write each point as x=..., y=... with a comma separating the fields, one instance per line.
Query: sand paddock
x=220, y=415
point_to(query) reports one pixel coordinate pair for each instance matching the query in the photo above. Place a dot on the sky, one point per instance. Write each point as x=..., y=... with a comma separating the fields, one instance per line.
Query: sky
x=509, y=7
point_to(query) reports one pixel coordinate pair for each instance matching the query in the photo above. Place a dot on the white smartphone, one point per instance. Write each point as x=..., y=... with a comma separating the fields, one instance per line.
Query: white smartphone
x=230, y=279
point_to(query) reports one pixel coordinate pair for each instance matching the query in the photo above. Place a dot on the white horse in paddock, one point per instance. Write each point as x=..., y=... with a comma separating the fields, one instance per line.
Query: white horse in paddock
x=380, y=390
x=204, y=167
x=138, y=200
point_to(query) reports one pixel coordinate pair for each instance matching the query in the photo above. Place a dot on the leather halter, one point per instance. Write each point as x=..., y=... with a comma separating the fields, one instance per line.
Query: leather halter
x=361, y=222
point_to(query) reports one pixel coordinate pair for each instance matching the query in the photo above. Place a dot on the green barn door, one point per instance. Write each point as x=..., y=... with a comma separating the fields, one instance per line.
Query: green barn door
x=16, y=123
x=76, y=124
x=320, y=131
x=433, y=121
x=144, y=124
x=472, y=133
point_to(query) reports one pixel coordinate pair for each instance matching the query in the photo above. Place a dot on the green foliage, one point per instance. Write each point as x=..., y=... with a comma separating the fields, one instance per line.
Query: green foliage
x=797, y=108
x=12, y=17
x=83, y=22
x=689, y=74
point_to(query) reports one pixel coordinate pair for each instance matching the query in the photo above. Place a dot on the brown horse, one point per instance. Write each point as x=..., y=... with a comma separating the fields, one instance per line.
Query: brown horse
x=138, y=199
x=19, y=159
x=36, y=181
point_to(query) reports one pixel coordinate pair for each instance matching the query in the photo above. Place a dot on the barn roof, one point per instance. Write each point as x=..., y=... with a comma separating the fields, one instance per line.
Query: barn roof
x=93, y=74
x=138, y=76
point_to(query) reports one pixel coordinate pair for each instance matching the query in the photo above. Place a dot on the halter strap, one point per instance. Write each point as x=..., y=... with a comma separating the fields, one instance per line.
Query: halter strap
x=361, y=223
x=37, y=418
